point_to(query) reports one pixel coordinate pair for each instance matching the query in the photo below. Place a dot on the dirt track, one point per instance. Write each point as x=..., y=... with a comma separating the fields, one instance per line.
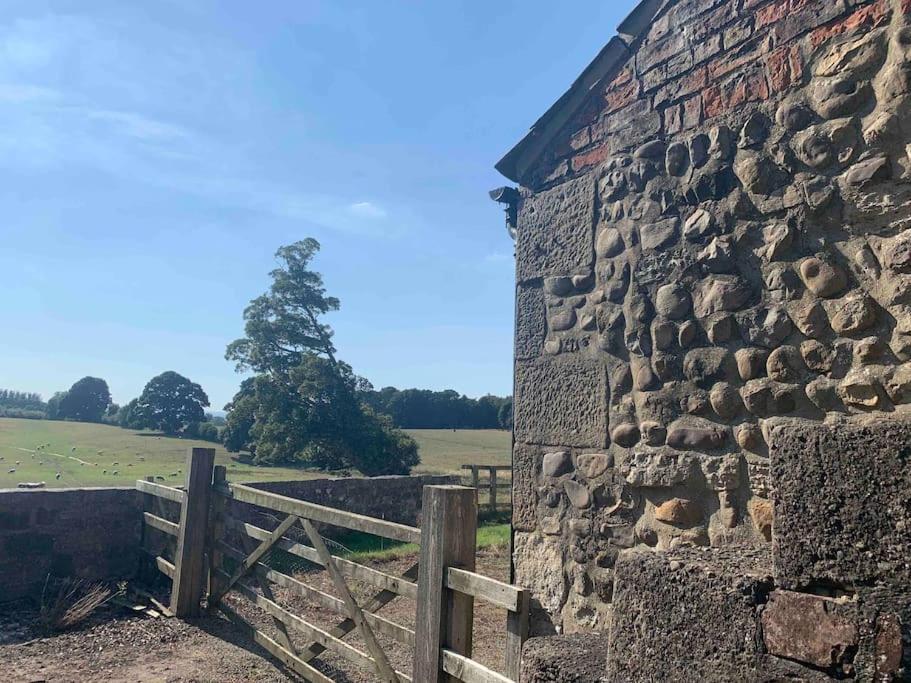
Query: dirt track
x=118, y=646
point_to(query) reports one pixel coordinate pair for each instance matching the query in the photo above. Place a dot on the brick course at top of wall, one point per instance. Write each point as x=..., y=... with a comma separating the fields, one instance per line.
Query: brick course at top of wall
x=701, y=60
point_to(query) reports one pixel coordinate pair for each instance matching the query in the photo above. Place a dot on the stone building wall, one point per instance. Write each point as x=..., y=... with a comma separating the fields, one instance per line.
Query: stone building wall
x=716, y=237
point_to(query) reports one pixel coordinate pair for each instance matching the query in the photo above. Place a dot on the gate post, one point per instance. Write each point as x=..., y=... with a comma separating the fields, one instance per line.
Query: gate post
x=449, y=517
x=189, y=563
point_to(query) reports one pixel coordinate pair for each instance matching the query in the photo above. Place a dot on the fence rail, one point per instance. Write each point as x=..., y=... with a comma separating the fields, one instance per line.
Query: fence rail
x=492, y=483
x=215, y=554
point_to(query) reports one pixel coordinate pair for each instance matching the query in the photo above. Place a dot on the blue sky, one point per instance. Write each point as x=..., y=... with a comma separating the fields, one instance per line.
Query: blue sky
x=154, y=155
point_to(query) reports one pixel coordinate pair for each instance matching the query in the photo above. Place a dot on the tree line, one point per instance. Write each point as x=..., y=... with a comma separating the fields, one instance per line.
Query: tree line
x=425, y=409
x=21, y=404
x=302, y=406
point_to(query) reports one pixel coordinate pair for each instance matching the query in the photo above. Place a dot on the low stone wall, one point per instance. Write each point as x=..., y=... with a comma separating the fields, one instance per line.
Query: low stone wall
x=90, y=533
x=95, y=533
x=395, y=499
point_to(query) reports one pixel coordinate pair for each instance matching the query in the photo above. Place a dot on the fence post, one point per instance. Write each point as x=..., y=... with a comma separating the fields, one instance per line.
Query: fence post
x=449, y=517
x=516, y=635
x=189, y=562
x=216, y=527
x=493, y=489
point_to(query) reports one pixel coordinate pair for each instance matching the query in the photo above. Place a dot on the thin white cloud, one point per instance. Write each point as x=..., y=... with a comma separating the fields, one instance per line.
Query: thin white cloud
x=18, y=93
x=138, y=126
x=85, y=95
x=367, y=210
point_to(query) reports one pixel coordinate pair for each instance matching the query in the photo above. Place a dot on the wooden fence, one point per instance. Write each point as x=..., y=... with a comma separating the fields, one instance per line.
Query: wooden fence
x=206, y=564
x=492, y=484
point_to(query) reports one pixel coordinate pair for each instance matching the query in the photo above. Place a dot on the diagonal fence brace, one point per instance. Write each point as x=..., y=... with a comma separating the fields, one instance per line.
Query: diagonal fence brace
x=383, y=668
x=253, y=558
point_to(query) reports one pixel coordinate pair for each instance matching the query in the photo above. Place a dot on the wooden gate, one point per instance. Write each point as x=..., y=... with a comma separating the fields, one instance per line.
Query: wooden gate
x=219, y=552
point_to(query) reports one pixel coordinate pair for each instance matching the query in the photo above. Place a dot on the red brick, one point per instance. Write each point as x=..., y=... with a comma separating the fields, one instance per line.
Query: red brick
x=673, y=119
x=623, y=96
x=751, y=87
x=725, y=64
x=692, y=112
x=692, y=82
x=580, y=139
x=784, y=68
x=771, y=14
x=867, y=17
x=712, y=102
x=590, y=158
x=622, y=78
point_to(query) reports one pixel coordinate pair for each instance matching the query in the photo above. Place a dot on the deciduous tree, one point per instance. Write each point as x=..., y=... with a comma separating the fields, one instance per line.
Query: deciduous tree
x=170, y=403
x=86, y=401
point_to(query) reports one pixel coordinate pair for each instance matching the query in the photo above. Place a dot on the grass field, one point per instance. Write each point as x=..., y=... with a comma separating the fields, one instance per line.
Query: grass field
x=101, y=455
x=445, y=450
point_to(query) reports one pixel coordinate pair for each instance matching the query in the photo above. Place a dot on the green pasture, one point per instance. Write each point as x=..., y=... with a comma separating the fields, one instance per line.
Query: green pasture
x=101, y=455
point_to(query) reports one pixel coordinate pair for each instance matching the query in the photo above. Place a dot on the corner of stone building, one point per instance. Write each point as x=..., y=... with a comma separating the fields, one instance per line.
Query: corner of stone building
x=713, y=349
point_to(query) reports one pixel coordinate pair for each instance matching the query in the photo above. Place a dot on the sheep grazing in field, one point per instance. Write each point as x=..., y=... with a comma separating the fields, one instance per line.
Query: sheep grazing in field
x=41, y=462
x=57, y=476
x=73, y=449
x=104, y=471
x=114, y=464
x=115, y=472
x=18, y=462
x=11, y=471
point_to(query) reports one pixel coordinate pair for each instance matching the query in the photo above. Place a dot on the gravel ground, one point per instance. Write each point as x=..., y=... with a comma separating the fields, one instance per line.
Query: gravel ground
x=117, y=645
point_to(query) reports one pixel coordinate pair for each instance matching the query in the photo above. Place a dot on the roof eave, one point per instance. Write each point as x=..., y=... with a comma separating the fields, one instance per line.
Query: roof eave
x=612, y=57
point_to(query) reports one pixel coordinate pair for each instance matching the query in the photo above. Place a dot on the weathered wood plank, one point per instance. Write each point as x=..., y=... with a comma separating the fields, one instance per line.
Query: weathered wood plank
x=165, y=567
x=288, y=659
x=162, y=525
x=263, y=583
x=400, y=586
x=330, y=602
x=500, y=468
x=217, y=526
x=490, y=590
x=469, y=671
x=516, y=635
x=312, y=632
x=190, y=569
x=254, y=557
x=374, y=604
x=383, y=668
x=444, y=617
x=321, y=513
x=166, y=492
